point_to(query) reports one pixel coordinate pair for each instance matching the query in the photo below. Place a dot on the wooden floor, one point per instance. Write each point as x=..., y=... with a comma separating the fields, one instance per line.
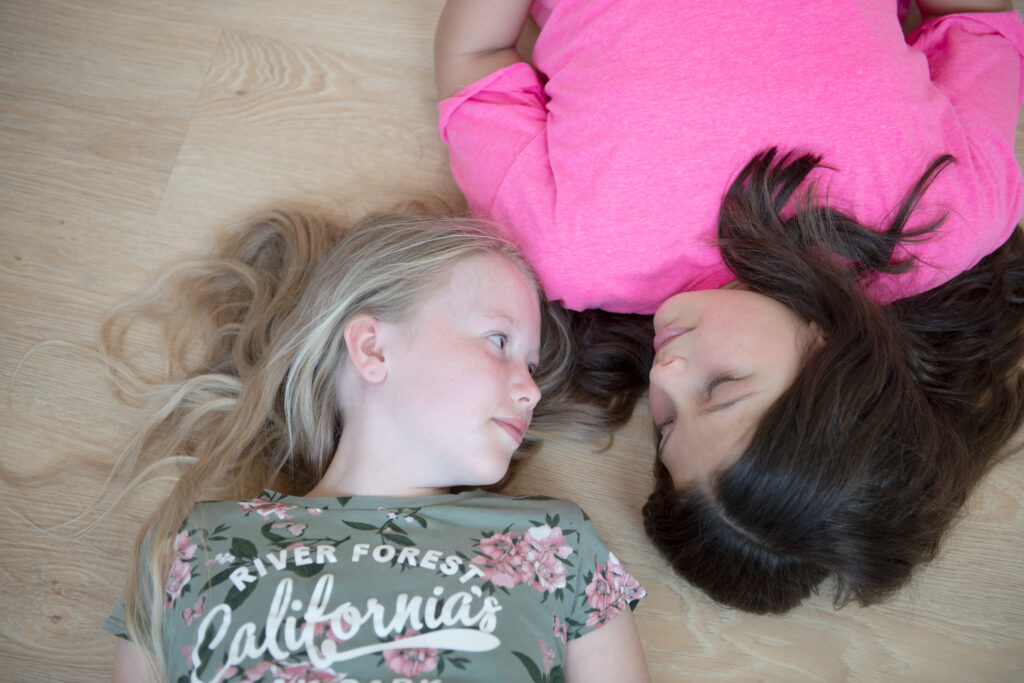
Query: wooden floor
x=131, y=129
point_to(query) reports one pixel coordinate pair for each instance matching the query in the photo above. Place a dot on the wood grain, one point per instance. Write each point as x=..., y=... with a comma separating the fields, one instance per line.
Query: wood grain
x=132, y=130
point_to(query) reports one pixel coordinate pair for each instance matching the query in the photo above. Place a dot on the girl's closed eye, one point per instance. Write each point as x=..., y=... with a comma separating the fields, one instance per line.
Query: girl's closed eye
x=661, y=428
x=718, y=381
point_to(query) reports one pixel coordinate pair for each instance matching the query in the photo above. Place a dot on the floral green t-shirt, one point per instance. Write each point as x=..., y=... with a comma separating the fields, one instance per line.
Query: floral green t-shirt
x=460, y=587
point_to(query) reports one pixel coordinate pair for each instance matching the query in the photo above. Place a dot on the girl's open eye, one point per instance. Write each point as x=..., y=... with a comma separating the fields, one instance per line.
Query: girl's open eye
x=499, y=338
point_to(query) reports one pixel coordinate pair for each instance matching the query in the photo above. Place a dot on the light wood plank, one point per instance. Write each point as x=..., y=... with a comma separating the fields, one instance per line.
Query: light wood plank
x=131, y=130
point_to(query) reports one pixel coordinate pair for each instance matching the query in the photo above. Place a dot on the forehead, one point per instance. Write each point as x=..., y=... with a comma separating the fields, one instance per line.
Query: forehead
x=487, y=284
x=695, y=454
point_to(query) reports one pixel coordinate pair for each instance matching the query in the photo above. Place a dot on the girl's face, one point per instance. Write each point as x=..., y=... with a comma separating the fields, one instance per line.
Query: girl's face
x=722, y=357
x=461, y=373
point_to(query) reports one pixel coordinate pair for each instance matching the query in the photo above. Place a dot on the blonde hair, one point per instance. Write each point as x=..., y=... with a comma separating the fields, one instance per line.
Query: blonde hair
x=254, y=347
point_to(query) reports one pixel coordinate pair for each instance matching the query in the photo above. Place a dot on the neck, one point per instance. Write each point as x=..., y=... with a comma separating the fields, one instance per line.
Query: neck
x=365, y=465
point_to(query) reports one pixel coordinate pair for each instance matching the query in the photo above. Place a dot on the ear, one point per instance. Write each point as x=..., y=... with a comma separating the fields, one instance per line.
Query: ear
x=365, y=350
x=817, y=338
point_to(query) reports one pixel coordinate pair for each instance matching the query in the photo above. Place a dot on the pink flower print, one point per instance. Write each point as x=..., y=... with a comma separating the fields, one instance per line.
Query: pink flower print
x=610, y=591
x=176, y=580
x=544, y=550
x=294, y=528
x=265, y=508
x=256, y=673
x=409, y=520
x=548, y=656
x=180, y=571
x=303, y=673
x=193, y=612
x=220, y=558
x=392, y=515
x=411, y=661
x=187, y=651
x=500, y=561
x=225, y=673
x=322, y=627
x=315, y=511
x=558, y=628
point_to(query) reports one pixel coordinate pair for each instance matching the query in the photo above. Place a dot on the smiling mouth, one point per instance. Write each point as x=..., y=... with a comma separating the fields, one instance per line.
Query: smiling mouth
x=667, y=334
x=515, y=428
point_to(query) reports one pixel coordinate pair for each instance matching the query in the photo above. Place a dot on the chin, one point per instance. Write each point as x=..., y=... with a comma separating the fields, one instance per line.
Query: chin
x=663, y=315
x=492, y=475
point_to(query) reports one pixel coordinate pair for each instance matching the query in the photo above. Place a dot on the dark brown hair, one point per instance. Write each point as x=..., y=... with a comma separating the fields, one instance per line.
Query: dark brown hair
x=860, y=467
x=612, y=354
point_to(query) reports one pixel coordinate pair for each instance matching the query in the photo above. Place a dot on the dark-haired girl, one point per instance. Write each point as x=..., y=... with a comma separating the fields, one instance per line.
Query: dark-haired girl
x=838, y=328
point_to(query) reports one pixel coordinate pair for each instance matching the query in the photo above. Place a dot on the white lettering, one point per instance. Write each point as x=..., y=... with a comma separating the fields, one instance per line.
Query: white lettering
x=451, y=565
x=325, y=554
x=460, y=612
x=431, y=612
x=430, y=559
x=408, y=556
x=384, y=553
x=244, y=644
x=279, y=561
x=241, y=576
x=278, y=610
x=302, y=557
x=471, y=571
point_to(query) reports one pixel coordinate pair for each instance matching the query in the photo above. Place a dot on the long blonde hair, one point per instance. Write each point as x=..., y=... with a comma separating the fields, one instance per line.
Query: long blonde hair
x=254, y=347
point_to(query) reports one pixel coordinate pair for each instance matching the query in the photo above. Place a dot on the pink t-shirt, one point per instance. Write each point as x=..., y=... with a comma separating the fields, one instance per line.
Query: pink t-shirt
x=608, y=162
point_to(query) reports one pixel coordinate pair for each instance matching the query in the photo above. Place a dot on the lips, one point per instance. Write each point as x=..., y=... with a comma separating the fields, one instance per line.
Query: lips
x=516, y=428
x=667, y=334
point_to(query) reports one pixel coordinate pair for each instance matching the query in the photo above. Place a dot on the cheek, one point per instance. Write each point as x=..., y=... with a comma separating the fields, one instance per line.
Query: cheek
x=480, y=375
x=678, y=470
x=658, y=403
x=672, y=309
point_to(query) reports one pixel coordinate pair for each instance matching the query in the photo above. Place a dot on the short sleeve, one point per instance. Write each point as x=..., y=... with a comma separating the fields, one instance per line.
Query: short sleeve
x=488, y=125
x=116, y=624
x=976, y=63
x=604, y=588
x=976, y=60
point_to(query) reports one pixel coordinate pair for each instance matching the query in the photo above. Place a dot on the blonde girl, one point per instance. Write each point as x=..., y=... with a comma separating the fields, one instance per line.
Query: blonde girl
x=329, y=388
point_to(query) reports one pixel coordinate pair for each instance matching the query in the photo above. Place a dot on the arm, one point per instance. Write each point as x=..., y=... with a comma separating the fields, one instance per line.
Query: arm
x=475, y=38
x=611, y=653
x=128, y=665
x=934, y=8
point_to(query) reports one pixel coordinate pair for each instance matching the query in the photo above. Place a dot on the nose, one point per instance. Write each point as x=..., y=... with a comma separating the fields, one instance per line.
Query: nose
x=524, y=390
x=667, y=372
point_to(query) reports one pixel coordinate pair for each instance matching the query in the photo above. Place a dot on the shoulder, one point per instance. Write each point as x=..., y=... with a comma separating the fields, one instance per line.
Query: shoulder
x=533, y=505
x=251, y=517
